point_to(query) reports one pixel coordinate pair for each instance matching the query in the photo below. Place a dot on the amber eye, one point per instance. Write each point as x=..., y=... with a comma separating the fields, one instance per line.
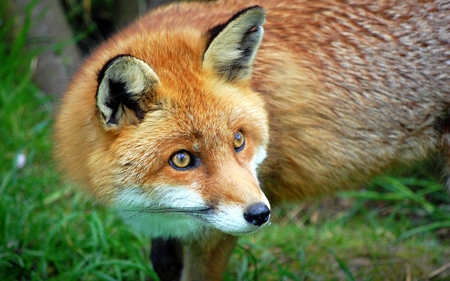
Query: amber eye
x=181, y=160
x=239, y=141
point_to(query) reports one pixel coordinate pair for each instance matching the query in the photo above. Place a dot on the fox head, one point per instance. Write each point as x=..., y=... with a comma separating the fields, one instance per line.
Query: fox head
x=169, y=131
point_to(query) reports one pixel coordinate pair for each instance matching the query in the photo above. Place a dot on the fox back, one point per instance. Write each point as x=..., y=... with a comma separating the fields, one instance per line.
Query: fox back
x=174, y=116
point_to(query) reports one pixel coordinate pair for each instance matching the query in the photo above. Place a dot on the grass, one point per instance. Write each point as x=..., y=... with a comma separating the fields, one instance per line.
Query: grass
x=397, y=229
x=365, y=247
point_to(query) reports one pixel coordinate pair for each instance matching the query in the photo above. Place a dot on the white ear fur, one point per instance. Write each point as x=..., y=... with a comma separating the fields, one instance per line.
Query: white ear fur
x=233, y=45
x=125, y=84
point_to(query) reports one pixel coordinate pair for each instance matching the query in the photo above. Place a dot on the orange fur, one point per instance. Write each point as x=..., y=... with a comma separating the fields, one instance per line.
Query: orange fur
x=345, y=90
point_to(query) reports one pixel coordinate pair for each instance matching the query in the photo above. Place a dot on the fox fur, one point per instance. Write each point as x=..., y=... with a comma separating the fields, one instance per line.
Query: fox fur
x=337, y=92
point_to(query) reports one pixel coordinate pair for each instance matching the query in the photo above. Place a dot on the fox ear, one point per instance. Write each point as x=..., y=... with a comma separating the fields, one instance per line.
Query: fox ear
x=126, y=85
x=232, y=46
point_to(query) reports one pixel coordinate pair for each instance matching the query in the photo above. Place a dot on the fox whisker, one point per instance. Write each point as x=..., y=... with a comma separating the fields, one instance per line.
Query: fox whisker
x=150, y=210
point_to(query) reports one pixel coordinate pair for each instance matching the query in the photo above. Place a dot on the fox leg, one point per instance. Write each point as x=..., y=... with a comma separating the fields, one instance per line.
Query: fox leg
x=207, y=260
x=442, y=126
x=167, y=258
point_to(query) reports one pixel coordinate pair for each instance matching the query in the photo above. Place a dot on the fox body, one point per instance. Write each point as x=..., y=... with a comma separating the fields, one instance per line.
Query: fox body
x=188, y=120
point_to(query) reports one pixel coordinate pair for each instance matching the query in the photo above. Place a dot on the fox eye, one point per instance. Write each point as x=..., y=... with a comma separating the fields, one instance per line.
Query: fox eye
x=239, y=141
x=181, y=160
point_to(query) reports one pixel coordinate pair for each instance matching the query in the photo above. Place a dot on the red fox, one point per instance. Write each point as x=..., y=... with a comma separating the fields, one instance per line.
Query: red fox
x=187, y=121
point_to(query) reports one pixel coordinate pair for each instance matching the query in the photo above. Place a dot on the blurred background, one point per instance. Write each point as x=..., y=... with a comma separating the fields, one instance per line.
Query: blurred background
x=397, y=228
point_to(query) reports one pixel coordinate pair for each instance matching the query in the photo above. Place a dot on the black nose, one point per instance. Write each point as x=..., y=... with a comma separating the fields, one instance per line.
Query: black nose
x=257, y=214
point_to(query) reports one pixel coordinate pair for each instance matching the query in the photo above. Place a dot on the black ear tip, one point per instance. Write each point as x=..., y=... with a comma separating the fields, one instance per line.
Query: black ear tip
x=213, y=32
x=251, y=8
x=101, y=72
x=259, y=11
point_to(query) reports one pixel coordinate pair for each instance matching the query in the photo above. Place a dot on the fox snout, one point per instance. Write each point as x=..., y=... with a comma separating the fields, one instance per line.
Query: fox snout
x=239, y=205
x=238, y=220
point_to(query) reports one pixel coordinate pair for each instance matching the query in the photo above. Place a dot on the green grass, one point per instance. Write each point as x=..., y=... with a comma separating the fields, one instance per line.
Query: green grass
x=395, y=230
x=365, y=247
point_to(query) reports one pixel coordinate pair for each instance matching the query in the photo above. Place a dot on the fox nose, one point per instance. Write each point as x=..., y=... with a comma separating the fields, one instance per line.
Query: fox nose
x=257, y=214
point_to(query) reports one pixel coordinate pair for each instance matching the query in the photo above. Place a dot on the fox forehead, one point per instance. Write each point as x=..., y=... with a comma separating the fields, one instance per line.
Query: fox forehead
x=199, y=121
x=208, y=114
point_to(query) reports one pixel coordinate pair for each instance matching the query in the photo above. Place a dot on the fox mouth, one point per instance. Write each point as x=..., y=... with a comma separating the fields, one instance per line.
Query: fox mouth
x=199, y=212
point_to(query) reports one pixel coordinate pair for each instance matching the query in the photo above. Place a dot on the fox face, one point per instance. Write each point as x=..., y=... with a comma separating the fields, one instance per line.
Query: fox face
x=175, y=148
x=174, y=164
